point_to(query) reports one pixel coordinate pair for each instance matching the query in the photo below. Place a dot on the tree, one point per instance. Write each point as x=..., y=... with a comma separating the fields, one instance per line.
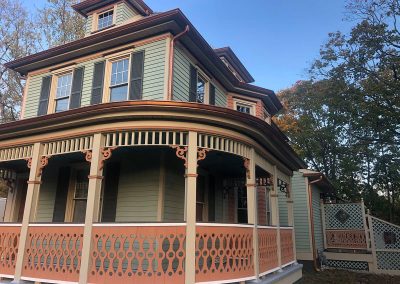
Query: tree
x=59, y=23
x=17, y=39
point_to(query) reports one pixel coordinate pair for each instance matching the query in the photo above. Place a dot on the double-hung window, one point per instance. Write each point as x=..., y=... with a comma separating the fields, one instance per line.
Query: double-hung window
x=201, y=90
x=119, y=80
x=63, y=93
x=105, y=19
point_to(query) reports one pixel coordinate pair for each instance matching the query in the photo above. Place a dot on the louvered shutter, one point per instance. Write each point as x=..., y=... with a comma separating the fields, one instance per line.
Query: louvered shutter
x=110, y=192
x=76, y=90
x=44, y=96
x=137, y=69
x=212, y=95
x=98, y=82
x=193, y=84
x=61, y=194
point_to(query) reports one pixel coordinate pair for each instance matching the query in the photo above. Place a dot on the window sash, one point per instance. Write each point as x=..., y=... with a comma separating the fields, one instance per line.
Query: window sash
x=105, y=19
x=201, y=90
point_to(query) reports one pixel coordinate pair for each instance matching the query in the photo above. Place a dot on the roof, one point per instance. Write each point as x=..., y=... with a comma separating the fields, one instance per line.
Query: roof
x=233, y=60
x=87, y=6
x=174, y=22
x=321, y=180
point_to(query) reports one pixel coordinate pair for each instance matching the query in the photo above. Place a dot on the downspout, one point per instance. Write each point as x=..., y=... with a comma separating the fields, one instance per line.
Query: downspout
x=171, y=61
x=312, y=222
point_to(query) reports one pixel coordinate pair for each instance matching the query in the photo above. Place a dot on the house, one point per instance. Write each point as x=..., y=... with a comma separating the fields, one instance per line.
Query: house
x=145, y=156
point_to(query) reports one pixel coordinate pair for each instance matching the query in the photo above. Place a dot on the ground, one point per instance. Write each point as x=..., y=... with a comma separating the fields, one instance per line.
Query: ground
x=346, y=277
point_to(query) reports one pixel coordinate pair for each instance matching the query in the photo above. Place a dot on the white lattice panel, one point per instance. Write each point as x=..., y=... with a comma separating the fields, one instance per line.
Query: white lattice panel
x=383, y=230
x=344, y=216
x=387, y=260
x=223, y=144
x=348, y=265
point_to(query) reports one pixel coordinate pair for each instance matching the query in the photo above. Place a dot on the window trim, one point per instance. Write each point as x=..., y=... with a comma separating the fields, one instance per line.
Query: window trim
x=107, y=74
x=207, y=83
x=54, y=83
x=251, y=105
x=96, y=14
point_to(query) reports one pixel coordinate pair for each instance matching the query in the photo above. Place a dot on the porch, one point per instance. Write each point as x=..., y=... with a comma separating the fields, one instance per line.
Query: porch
x=149, y=206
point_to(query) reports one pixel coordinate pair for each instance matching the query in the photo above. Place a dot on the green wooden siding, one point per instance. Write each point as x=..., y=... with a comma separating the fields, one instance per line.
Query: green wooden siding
x=138, y=187
x=319, y=241
x=47, y=195
x=283, y=209
x=181, y=76
x=220, y=98
x=88, y=27
x=174, y=196
x=123, y=13
x=300, y=212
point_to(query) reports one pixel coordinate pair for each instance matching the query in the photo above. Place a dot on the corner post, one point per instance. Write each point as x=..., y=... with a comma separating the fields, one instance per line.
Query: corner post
x=275, y=215
x=190, y=209
x=365, y=224
x=252, y=211
x=31, y=203
x=374, y=267
x=290, y=205
x=93, y=204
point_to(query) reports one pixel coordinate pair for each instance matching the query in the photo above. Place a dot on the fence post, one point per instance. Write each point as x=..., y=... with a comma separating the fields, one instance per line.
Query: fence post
x=365, y=224
x=322, y=206
x=373, y=248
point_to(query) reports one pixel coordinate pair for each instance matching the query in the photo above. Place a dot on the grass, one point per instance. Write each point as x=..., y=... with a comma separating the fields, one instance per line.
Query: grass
x=346, y=277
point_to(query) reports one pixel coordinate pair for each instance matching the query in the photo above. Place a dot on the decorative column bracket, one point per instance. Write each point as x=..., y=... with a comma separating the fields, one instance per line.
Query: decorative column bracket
x=201, y=154
x=181, y=153
x=88, y=155
x=44, y=161
x=246, y=164
x=106, y=154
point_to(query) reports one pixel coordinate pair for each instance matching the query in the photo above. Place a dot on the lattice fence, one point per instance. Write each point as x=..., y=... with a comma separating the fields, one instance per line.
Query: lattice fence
x=386, y=237
x=344, y=216
x=347, y=265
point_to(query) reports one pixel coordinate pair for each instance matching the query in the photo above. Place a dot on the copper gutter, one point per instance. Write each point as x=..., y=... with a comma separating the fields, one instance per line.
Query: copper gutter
x=171, y=61
x=312, y=221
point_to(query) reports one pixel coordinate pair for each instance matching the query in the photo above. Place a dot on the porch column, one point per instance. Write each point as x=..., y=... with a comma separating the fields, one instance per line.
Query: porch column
x=275, y=214
x=252, y=211
x=190, y=209
x=290, y=204
x=93, y=204
x=31, y=202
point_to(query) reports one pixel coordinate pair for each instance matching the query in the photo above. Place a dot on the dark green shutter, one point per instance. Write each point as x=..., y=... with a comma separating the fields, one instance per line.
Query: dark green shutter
x=44, y=96
x=137, y=69
x=98, y=82
x=193, y=84
x=60, y=204
x=76, y=90
x=212, y=95
x=110, y=192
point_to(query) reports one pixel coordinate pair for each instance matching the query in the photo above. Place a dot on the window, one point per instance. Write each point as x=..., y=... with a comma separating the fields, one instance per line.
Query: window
x=201, y=90
x=80, y=196
x=243, y=108
x=105, y=20
x=63, y=93
x=119, y=80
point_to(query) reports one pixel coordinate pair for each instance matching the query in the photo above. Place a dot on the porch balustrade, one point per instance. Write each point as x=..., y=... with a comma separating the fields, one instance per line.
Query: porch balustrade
x=144, y=253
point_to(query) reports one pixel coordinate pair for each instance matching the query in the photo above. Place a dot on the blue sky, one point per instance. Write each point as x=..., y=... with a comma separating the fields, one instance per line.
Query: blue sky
x=275, y=39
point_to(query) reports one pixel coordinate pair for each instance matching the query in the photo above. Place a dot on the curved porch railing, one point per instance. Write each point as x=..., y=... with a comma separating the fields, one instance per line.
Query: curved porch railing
x=9, y=241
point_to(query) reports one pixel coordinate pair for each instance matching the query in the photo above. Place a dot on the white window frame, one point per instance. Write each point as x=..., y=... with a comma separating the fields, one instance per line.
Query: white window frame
x=96, y=14
x=206, y=80
x=56, y=99
x=251, y=105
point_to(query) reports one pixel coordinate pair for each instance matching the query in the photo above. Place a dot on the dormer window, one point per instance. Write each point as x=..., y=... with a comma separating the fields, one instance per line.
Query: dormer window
x=63, y=93
x=105, y=19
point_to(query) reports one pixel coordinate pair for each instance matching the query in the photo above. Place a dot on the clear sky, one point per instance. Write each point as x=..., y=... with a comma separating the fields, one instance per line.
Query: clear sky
x=275, y=39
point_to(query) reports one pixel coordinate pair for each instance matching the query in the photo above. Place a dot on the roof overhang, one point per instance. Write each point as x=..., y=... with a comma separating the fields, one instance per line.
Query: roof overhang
x=251, y=126
x=174, y=22
x=87, y=6
x=320, y=180
x=234, y=61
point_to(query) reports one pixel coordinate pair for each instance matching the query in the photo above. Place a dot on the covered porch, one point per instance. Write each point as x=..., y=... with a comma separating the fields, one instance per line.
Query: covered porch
x=144, y=206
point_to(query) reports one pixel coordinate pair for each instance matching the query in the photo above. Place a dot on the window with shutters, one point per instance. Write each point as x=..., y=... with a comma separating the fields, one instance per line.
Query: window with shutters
x=201, y=89
x=105, y=19
x=63, y=93
x=119, y=80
